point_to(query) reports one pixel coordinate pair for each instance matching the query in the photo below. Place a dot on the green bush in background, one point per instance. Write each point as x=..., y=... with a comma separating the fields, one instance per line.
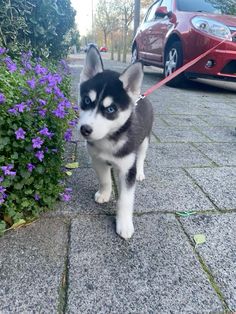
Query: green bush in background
x=44, y=26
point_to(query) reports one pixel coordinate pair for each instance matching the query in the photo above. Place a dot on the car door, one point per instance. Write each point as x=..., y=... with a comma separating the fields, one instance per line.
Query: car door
x=157, y=33
x=144, y=40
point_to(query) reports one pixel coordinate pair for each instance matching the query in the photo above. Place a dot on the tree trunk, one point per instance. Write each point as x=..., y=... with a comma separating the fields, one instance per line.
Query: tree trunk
x=136, y=15
x=112, y=47
x=105, y=38
x=119, y=52
x=125, y=44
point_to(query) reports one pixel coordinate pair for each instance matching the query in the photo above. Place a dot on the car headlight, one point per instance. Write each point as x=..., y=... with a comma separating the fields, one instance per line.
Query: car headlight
x=211, y=27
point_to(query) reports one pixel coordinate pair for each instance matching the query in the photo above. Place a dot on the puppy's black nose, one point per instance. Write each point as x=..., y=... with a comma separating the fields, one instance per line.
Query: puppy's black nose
x=86, y=130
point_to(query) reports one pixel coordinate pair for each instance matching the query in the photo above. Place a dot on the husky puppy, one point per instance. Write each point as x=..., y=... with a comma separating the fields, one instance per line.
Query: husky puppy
x=117, y=131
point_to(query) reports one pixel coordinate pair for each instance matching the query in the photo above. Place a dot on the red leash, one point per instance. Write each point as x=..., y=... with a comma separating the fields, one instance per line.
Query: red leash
x=180, y=70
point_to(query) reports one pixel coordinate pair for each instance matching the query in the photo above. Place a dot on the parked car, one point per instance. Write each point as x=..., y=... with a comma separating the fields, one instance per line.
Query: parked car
x=174, y=32
x=103, y=49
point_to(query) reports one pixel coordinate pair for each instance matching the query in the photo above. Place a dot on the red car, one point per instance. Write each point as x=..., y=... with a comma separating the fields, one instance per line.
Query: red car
x=174, y=32
x=103, y=49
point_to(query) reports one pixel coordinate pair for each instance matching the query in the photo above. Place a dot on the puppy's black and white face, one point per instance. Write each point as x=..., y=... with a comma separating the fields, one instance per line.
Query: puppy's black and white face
x=107, y=98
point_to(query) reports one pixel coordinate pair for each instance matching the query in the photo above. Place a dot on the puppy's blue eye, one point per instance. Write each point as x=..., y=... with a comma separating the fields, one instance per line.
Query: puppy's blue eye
x=87, y=100
x=111, y=109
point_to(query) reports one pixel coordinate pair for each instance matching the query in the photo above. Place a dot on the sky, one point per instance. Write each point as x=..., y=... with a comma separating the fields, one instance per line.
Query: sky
x=84, y=14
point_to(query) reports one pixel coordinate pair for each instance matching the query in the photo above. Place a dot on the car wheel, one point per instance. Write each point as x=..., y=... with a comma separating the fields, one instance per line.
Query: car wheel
x=173, y=61
x=134, y=57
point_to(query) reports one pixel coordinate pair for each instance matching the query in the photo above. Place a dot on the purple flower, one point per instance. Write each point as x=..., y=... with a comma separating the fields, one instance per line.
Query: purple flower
x=20, y=134
x=68, y=135
x=7, y=170
x=2, y=98
x=31, y=83
x=54, y=150
x=22, y=72
x=25, y=59
x=76, y=108
x=39, y=70
x=37, y=142
x=12, y=111
x=30, y=167
x=59, y=112
x=73, y=122
x=66, y=195
x=46, y=132
x=36, y=197
x=58, y=92
x=48, y=90
x=42, y=102
x=42, y=112
x=40, y=155
x=11, y=66
x=2, y=50
x=1, y=178
x=20, y=107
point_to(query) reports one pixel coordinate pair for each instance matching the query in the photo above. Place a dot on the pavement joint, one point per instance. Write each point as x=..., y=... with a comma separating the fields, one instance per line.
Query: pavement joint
x=207, y=157
x=63, y=290
x=206, y=269
x=199, y=186
x=156, y=137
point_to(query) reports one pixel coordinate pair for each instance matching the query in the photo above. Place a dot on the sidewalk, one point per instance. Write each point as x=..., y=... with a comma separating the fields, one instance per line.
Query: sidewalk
x=72, y=261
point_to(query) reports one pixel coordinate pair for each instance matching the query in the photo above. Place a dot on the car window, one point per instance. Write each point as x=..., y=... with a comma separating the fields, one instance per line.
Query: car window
x=198, y=6
x=167, y=4
x=151, y=12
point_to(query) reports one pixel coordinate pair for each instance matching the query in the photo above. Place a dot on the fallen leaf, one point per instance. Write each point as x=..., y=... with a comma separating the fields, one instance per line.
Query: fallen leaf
x=186, y=213
x=69, y=173
x=18, y=224
x=199, y=239
x=72, y=165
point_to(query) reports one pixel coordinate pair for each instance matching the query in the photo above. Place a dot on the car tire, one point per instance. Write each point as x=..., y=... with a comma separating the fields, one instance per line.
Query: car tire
x=173, y=61
x=134, y=57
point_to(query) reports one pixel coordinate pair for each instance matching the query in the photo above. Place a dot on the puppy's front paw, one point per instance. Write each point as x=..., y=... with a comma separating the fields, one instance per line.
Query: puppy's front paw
x=103, y=197
x=124, y=227
x=140, y=176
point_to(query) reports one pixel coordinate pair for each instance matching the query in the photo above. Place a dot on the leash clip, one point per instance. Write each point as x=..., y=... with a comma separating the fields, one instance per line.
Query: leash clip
x=142, y=96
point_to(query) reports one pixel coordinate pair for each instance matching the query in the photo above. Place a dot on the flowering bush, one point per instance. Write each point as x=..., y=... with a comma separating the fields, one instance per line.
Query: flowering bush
x=36, y=118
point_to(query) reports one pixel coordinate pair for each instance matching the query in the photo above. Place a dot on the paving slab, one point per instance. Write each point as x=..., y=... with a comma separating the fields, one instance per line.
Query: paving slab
x=213, y=120
x=169, y=190
x=154, y=272
x=178, y=134
x=84, y=184
x=218, y=252
x=82, y=155
x=32, y=261
x=183, y=120
x=224, y=154
x=218, y=183
x=220, y=134
x=70, y=152
x=175, y=155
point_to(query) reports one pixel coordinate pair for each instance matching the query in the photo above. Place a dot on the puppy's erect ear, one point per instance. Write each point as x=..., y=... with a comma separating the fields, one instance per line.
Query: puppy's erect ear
x=93, y=64
x=132, y=79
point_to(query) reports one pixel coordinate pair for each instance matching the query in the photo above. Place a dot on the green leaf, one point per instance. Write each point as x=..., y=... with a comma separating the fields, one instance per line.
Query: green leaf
x=186, y=213
x=18, y=224
x=199, y=239
x=72, y=165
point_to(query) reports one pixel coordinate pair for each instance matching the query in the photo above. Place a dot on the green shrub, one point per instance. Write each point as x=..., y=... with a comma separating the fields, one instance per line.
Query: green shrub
x=42, y=26
x=36, y=118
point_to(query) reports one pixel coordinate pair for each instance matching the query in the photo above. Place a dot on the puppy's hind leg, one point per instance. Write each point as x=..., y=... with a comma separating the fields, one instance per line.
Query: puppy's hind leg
x=140, y=159
x=103, y=171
